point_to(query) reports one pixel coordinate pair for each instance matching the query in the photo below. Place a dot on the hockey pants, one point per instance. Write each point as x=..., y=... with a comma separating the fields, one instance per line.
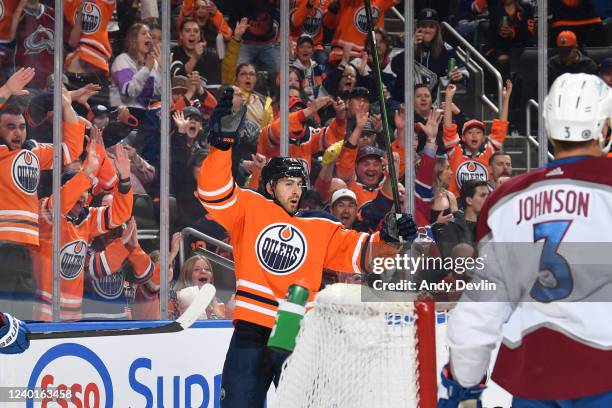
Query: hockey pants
x=250, y=367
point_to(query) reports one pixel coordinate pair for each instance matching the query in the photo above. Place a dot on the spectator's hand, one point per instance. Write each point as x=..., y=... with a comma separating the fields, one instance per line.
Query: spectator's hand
x=92, y=163
x=259, y=160
x=418, y=37
x=123, y=115
x=451, y=89
x=317, y=104
x=241, y=27
x=454, y=108
x=361, y=118
x=199, y=49
x=180, y=121
x=346, y=53
x=175, y=245
x=363, y=64
x=456, y=75
x=211, y=8
x=150, y=60
x=195, y=85
x=83, y=94
x=157, y=55
x=127, y=231
x=433, y=123
x=507, y=91
x=340, y=108
x=400, y=119
x=443, y=219
x=131, y=152
x=19, y=80
x=122, y=162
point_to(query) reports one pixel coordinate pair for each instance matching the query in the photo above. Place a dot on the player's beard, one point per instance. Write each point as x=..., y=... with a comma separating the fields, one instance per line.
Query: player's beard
x=287, y=206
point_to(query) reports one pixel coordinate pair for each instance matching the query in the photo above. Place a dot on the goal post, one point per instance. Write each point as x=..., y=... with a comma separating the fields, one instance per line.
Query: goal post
x=351, y=353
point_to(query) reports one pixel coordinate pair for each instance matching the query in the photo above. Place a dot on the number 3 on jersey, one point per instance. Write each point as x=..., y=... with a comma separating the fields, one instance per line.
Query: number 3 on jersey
x=555, y=280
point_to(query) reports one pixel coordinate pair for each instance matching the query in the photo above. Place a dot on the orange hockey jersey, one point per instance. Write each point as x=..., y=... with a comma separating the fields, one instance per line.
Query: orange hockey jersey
x=272, y=249
x=314, y=140
x=352, y=26
x=94, y=46
x=309, y=21
x=20, y=171
x=7, y=9
x=75, y=239
x=472, y=167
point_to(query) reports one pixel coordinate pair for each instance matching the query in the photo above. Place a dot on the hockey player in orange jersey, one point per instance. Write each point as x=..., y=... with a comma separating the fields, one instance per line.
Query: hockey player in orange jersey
x=79, y=225
x=21, y=161
x=272, y=250
x=469, y=155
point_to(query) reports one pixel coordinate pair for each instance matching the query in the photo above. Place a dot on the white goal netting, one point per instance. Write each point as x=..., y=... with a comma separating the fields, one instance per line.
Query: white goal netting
x=352, y=354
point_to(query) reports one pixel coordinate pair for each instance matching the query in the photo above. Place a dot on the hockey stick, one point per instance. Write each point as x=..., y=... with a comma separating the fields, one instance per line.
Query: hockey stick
x=200, y=303
x=383, y=106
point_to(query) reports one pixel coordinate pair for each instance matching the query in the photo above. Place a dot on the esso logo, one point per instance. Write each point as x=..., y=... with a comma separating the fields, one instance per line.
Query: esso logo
x=281, y=248
x=77, y=373
x=361, y=19
x=92, y=17
x=471, y=170
x=26, y=172
x=72, y=259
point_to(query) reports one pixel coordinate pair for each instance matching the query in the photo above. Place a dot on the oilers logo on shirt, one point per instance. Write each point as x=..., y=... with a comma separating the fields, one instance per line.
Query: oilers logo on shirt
x=361, y=20
x=72, y=259
x=91, y=18
x=471, y=170
x=281, y=248
x=26, y=172
x=312, y=23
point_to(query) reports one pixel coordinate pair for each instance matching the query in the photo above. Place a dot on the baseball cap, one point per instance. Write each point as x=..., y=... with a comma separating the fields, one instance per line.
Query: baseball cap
x=342, y=193
x=428, y=14
x=98, y=110
x=367, y=151
x=180, y=83
x=359, y=91
x=369, y=127
x=190, y=111
x=566, y=39
x=606, y=65
x=294, y=100
x=305, y=38
x=473, y=123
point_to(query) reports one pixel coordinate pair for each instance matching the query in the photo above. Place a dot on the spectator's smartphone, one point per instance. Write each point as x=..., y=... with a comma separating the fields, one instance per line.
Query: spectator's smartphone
x=447, y=211
x=375, y=108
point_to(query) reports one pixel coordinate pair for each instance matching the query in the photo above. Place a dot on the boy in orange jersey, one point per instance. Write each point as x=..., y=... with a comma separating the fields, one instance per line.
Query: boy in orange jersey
x=273, y=250
x=79, y=225
x=469, y=155
x=21, y=161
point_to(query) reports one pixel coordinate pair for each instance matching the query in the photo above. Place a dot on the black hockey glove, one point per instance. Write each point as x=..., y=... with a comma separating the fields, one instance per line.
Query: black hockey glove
x=225, y=124
x=396, y=226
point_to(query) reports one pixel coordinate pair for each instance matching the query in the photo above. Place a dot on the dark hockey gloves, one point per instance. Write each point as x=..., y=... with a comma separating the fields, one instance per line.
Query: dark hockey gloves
x=456, y=394
x=398, y=225
x=226, y=124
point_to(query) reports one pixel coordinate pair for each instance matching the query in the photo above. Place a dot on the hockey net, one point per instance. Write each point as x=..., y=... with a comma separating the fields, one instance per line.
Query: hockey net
x=355, y=354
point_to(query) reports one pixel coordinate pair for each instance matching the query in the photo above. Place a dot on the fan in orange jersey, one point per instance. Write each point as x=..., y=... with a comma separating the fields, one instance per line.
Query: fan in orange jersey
x=88, y=21
x=304, y=140
x=21, y=161
x=306, y=17
x=469, y=156
x=79, y=225
x=351, y=25
x=272, y=250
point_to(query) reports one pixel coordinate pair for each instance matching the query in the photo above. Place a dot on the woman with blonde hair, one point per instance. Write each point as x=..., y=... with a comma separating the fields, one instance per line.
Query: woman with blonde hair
x=136, y=73
x=195, y=273
x=444, y=202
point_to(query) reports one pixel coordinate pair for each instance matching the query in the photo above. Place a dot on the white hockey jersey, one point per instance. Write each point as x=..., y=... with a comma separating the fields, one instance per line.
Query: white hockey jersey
x=546, y=240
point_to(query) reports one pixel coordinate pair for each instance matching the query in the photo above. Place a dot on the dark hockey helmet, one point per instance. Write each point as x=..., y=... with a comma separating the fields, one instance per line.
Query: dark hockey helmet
x=281, y=167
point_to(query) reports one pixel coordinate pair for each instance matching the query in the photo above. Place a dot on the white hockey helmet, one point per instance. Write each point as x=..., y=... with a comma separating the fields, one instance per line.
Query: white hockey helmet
x=576, y=109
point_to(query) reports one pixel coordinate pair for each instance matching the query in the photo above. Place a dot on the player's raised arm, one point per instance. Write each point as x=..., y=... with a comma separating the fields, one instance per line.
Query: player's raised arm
x=217, y=190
